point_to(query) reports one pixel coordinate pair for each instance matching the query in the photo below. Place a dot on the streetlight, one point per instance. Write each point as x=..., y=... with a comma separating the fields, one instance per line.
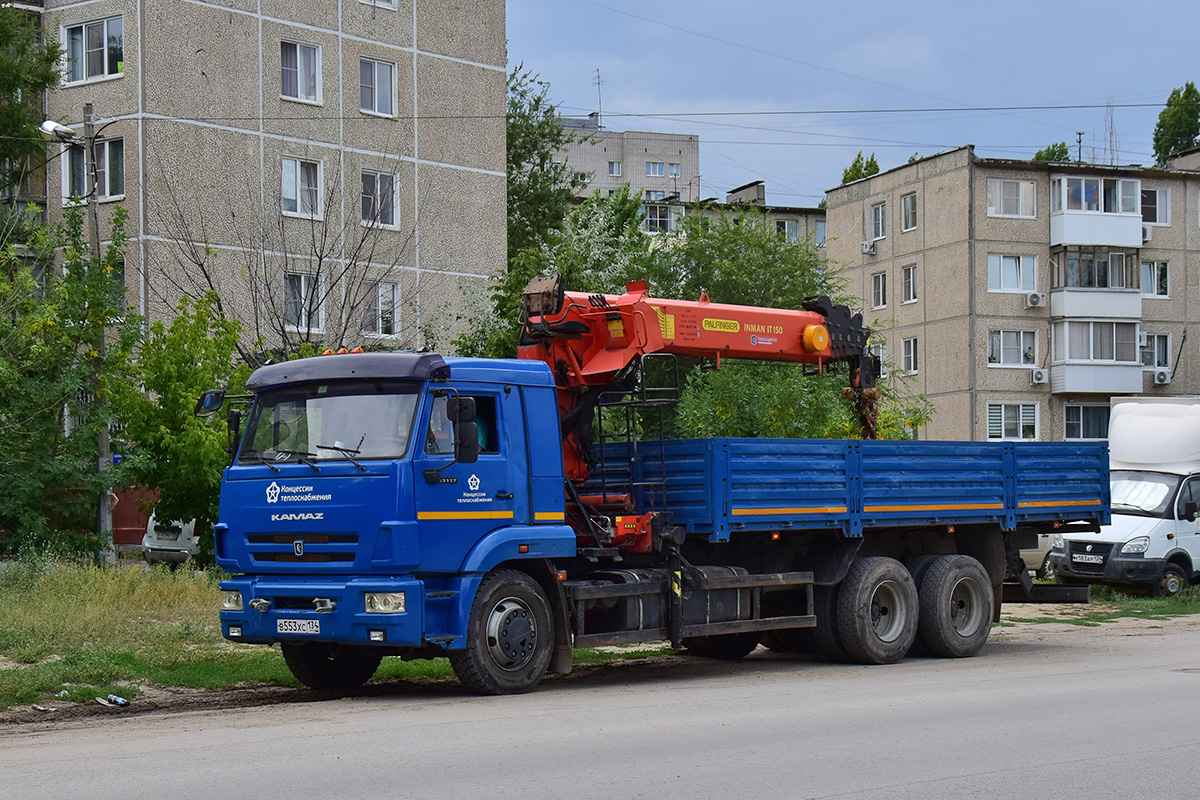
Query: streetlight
x=53, y=130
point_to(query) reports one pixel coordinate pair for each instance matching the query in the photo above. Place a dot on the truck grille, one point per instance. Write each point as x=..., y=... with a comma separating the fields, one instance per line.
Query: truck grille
x=313, y=547
x=1097, y=550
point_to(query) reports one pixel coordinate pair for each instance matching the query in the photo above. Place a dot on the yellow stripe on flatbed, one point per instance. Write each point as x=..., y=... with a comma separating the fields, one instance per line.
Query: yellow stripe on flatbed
x=443, y=515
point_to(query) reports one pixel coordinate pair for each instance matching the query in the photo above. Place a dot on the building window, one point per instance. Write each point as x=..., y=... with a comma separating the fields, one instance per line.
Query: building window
x=879, y=290
x=655, y=169
x=303, y=309
x=908, y=212
x=672, y=170
x=655, y=196
x=95, y=50
x=909, y=356
x=1012, y=420
x=1099, y=195
x=614, y=169
x=1096, y=341
x=1011, y=273
x=1093, y=268
x=1086, y=422
x=301, y=66
x=1155, y=282
x=1010, y=198
x=1156, y=352
x=881, y=351
x=380, y=3
x=376, y=87
x=908, y=284
x=301, y=187
x=788, y=228
x=1156, y=206
x=658, y=218
x=820, y=237
x=1012, y=348
x=879, y=220
x=381, y=309
x=110, y=171
x=378, y=198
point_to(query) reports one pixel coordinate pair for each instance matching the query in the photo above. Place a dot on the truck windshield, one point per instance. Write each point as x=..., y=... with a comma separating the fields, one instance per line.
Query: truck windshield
x=338, y=421
x=1145, y=493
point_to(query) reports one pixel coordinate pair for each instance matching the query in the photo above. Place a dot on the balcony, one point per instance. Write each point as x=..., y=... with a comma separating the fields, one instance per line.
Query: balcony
x=1085, y=227
x=1096, y=303
x=1095, y=211
x=1096, y=378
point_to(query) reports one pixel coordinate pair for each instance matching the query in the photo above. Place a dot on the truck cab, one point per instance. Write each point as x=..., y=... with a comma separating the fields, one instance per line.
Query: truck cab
x=1153, y=540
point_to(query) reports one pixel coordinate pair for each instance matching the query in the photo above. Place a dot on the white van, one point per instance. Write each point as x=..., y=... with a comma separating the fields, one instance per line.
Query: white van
x=1154, y=538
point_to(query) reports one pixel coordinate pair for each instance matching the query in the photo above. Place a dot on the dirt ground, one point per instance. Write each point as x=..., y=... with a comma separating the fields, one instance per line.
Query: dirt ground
x=153, y=699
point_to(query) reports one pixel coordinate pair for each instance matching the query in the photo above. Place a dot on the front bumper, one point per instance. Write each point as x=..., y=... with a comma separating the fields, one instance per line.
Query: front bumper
x=345, y=622
x=1117, y=569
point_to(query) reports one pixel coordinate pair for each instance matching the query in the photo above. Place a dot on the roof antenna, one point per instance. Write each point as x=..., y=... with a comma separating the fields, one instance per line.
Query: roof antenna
x=1079, y=146
x=599, y=101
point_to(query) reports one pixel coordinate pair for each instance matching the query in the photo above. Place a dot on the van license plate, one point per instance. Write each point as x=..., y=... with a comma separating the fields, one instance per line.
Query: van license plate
x=298, y=626
x=1084, y=558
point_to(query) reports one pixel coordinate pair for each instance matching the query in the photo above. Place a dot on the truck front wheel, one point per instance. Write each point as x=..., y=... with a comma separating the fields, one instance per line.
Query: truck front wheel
x=509, y=636
x=956, y=607
x=319, y=666
x=877, y=610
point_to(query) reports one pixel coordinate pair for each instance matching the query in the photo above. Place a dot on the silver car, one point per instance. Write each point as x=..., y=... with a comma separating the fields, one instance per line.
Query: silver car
x=169, y=543
x=1037, y=560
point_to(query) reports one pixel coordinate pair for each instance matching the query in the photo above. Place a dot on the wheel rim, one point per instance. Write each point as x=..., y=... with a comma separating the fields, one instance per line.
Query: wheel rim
x=1048, y=572
x=966, y=606
x=511, y=634
x=888, y=611
x=1172, y=584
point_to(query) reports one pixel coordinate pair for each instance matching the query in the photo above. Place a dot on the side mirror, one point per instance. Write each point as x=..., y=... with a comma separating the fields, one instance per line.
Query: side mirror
x=466, y=442
x=209, y=403
x=1190, y=510
x=460, y=409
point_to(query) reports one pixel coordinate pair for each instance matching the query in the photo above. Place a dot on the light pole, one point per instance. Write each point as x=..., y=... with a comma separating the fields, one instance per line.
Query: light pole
x=107, y=551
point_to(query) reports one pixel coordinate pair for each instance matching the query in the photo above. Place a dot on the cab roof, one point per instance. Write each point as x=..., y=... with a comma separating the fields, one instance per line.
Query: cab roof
x=399, y=365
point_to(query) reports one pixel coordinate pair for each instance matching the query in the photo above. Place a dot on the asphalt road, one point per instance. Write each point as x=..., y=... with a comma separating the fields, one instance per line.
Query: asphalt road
x=1046, y=711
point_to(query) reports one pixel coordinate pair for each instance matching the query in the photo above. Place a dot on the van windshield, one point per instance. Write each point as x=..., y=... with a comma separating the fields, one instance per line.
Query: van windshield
x=1147, y=494
x=336, y=421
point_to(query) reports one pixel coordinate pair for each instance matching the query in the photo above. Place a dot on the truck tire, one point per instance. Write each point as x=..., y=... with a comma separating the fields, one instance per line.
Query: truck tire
x=956, y=607
x=877, y=610
x=1172, y=582
x=510, y=636
x=790, y=640
x=917, y=566
x=727, y=647
x=318, y=666
x=825, y=636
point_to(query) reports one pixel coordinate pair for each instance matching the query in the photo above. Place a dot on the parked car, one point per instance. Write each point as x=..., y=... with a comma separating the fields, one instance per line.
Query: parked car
x=169, y=543
x=1037, y=560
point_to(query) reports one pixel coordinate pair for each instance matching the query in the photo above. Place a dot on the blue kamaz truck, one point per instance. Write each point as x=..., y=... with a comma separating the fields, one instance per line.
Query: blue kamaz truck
x=502, y=512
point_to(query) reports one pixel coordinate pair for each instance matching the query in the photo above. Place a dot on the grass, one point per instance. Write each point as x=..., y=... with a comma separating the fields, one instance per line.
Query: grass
x=71, y=627
x=1109, y=604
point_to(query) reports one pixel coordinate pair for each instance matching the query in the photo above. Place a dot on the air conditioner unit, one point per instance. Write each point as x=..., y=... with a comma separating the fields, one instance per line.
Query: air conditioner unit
x=1035, y=300
x=1147, y=233
x=1143, y=338
x=1038, y=376
x=1162, y=377
x=868, y=248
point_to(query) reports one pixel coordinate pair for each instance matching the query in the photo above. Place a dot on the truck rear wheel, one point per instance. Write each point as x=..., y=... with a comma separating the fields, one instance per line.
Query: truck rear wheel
x=825, y=636
x=509, y=636
x=877, y=610
x=318, y=666
x=728, y=647
x=956, y=607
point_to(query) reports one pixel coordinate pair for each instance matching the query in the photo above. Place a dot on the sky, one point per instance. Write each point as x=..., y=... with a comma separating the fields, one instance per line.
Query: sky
x=789, y=92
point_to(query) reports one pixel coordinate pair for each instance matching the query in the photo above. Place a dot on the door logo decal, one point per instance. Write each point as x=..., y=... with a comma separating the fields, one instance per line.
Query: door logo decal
x=473, y=483
x=273, y=492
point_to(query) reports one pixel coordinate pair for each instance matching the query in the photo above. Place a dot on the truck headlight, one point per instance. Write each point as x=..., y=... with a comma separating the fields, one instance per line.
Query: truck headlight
x=1138, y=544
x=231, y=601
x=1057, y=542
x=384, y=602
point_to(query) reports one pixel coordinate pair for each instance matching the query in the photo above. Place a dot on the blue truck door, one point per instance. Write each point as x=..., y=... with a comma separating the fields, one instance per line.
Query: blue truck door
x=476, y=498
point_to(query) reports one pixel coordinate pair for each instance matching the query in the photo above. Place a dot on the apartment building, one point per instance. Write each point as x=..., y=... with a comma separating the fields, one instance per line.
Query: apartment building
x=657, y=166
x=1019, y=296
x=335, y=170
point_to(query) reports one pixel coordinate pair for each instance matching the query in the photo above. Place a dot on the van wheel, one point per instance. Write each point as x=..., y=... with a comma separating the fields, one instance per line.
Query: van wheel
x=1047, y=571
x=509, y=636
x=318, y=666
x=956, y=607
x=1173, y=581
x=728, y=647
x=877, y=610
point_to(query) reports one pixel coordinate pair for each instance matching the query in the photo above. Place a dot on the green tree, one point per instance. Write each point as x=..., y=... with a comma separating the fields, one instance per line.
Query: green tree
x=1178, y=125
x=859, y=168
x=28, y=67
x=539, y=188
x=1054, y=152
x=171, y=449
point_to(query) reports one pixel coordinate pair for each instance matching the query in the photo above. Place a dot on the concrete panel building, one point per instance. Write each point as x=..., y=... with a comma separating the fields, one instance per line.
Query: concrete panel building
x=1019, y=296
x=336, y=171
x=657, y=166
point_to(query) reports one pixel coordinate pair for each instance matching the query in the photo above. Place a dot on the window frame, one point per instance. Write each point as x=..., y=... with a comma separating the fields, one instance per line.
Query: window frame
x=908, y=284
x=880, y=349
x=317, y=98
x=390, y=5
x=996, y=198
x=790, y=228
x=1081, y=423
x=656, y=217
x=393, y=97
x=375, y=297
x=1026, y=283
x=1060, y=333
x=1152, y=344
x=909, y=356
x=617, y=172
x=878, y=217
x=908, y=212
x=1021, y=421
x=878, y=290
x=65, y=39
x=819, y=232
x=373, y=221
x=104, y=185
x=1162, y=206
x=659, y=169
x=305, y=313
x=1148, y=269
x=998, y=334
x=319, y=210
x=673, y=169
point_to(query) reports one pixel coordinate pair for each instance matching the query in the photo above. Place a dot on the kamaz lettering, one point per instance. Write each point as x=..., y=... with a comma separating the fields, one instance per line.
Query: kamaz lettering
x=293, y=517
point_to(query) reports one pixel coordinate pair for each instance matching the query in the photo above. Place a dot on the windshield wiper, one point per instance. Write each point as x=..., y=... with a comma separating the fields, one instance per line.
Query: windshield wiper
x=348, y=452
x=303, y=455
x=258, y=457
